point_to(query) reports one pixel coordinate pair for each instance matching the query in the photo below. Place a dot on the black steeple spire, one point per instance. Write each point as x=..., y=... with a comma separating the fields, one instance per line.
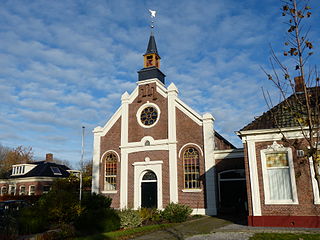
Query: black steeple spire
x=151, y=59
x=152, y=46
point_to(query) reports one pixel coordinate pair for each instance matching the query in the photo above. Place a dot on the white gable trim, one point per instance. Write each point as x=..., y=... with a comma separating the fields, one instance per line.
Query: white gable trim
x=189, y=111
x=103, y=130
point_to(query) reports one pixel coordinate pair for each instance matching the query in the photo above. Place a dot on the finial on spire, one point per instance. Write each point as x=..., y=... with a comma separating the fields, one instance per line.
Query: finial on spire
x=152, y=15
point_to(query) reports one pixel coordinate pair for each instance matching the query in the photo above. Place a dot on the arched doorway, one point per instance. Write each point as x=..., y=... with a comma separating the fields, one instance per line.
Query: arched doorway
x=149, y=192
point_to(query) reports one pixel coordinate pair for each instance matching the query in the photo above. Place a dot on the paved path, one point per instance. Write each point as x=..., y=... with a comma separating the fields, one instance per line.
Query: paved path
x=212, y=228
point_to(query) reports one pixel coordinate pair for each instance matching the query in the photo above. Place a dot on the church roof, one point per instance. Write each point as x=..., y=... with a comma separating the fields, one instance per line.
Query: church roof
x=152, y=46
x=283, y=116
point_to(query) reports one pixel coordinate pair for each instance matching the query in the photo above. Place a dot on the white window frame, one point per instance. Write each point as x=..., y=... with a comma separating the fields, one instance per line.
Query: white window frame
x=315, y=188
x=278, y=148
x=106, y=190
x=46, y=186
x=148, y=104
x=2, y=190
x=34, y=192
x=25, y=192
x=15, y=190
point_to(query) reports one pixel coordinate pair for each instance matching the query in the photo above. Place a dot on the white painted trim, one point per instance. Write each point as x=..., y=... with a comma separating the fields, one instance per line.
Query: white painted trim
x=191, y=190
x=147, y=163
x=96, y=163
x=229, y=153
x=35, y=190
x=27, y=179
x=198, y=211
x=142, y=143
x=124, y=180
x=139, y=170
x=188, y=111
x=103, y=130
x=160, y=88
x=141, y=108
x=270, y=131
x=254, y=180
x=209, y=164
x=266, y=186
x=109, y=151
x=172, y=141
x=133, y=95
x=109, y=192
x=314, y=182
x=25, y=192
x=124, y=154
x=191, y=144
x=147, y=148
x=151, y=80
x=15, y=189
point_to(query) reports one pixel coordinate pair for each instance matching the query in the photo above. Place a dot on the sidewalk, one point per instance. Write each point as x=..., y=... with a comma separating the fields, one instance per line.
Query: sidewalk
x=213, y=228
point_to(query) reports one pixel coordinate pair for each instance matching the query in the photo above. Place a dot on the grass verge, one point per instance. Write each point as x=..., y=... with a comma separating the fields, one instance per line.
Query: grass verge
x=284, y=236
x=126, y=233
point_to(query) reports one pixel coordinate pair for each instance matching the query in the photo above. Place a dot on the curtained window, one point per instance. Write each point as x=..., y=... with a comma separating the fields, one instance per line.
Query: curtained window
x=279, y=176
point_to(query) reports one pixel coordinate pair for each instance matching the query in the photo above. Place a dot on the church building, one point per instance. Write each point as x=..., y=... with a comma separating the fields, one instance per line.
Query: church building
x=155, y=149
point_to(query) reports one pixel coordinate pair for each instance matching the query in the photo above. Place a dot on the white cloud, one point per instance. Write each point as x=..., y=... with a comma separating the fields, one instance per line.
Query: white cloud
x=64, y=64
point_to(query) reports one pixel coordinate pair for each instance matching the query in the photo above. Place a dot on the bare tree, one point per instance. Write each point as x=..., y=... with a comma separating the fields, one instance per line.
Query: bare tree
x=13, y=156
x=300, y=82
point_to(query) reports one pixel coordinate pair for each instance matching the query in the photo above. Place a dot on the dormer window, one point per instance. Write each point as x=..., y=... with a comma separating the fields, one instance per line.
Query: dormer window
x=21, y=169
x=56, y=171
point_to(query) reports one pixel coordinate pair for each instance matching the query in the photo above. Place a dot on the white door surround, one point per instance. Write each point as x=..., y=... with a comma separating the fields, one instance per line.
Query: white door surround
x=140, y=168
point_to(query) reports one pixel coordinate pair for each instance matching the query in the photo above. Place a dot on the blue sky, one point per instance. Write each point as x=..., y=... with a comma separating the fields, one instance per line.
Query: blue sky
x=65, y=64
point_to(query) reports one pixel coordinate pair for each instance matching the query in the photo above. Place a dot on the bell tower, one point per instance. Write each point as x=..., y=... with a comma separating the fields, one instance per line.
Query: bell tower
x=151, y=59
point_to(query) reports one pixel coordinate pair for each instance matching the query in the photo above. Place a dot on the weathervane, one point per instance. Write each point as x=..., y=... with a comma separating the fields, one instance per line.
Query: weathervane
x=152, y=15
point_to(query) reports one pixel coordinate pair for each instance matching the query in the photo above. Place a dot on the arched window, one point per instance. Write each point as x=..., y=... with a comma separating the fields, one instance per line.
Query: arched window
x=191, y=167
x=111, y=171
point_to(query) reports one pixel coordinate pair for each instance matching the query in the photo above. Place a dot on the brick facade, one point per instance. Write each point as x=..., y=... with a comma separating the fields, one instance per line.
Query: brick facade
x=189, y=133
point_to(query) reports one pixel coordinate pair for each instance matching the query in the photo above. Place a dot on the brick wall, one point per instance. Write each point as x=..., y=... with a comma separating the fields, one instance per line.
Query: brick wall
x=303, y=183
x=160, y=130
x=189, y=132
x=111, y=141
x=154, y=156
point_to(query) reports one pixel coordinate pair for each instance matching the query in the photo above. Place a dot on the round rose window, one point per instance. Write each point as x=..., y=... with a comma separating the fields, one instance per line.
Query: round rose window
x=149, y=116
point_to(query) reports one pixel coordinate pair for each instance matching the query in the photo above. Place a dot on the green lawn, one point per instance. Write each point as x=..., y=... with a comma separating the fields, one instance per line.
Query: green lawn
x=285, y=236
x=126, y=233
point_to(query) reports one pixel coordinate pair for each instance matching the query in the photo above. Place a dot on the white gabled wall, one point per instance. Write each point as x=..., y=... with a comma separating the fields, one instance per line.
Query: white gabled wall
x=208, y=142
x=172, y=125
x=124, y=154
x=96, y=160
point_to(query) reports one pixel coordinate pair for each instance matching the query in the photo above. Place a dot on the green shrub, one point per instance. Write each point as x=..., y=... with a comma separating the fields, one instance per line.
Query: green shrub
x=96, y=215
x=175, y=212
x=95, y=201
x=150, y=215
x=31, y=220
x=99, y=220
x=8, y=227
x=129, y=218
